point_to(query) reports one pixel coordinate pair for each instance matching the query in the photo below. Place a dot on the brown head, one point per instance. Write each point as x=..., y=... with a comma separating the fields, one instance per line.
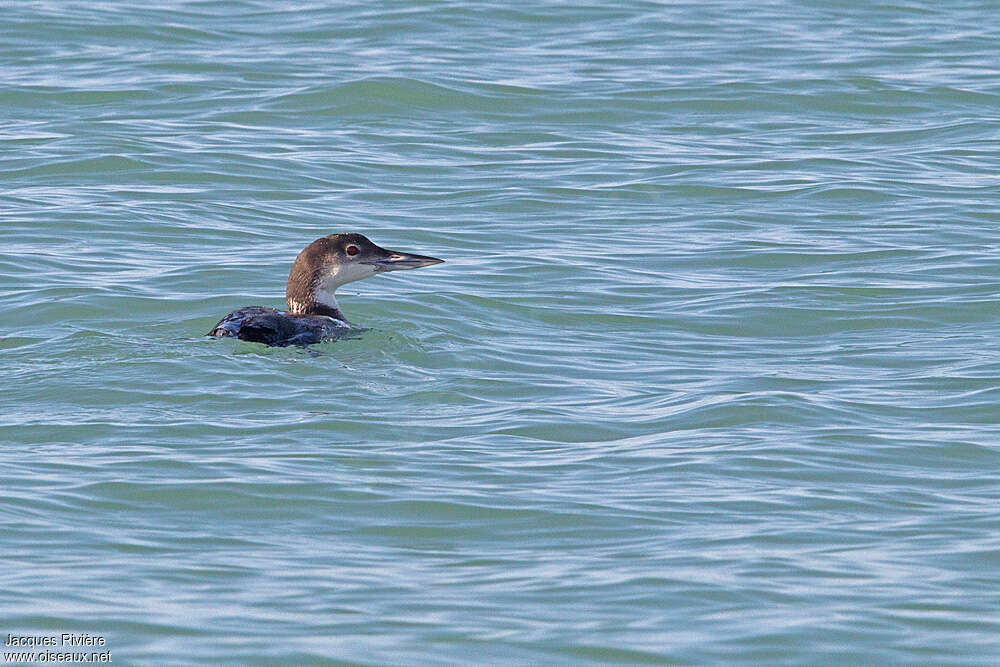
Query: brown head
x=337, y=259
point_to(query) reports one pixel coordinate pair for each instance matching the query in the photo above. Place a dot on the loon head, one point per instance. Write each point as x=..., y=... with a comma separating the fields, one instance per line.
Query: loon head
x=337, y=259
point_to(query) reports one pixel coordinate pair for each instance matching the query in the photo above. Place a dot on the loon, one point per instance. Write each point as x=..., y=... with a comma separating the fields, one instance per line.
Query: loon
x=313, y=314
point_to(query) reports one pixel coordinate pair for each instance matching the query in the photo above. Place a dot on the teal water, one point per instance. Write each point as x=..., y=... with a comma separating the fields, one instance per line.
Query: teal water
x=711, y=373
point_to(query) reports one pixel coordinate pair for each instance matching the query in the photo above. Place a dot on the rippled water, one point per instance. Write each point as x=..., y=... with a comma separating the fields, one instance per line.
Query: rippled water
x=710, y=374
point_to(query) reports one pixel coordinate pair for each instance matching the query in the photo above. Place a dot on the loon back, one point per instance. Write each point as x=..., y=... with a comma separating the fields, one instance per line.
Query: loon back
x=258, y=324
x=314, y=316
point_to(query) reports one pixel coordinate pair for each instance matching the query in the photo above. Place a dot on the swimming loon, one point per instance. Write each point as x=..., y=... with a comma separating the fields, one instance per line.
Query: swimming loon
x=313, y=314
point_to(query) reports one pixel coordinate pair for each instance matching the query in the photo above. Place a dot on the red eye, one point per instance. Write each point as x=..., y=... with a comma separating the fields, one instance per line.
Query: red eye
x=352, y=250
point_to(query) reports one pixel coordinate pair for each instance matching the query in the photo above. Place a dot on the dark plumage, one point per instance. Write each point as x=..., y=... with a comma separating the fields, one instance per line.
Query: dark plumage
x=273, y=327
x=313, y=314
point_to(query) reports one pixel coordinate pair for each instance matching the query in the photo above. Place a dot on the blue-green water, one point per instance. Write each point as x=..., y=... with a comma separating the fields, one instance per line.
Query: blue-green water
x=711, y=372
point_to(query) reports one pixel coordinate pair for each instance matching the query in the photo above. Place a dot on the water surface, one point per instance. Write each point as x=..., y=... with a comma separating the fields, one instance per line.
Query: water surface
x=710, y=374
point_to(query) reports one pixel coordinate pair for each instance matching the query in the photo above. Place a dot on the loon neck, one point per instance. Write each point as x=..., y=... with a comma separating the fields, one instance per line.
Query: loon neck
x=317, y=308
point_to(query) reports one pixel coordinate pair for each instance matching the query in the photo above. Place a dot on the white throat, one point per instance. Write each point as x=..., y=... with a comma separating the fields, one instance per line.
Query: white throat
x=325, y=294
x=340, y=275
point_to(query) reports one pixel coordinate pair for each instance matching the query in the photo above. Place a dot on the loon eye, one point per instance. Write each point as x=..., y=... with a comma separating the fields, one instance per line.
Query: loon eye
x=352, y=250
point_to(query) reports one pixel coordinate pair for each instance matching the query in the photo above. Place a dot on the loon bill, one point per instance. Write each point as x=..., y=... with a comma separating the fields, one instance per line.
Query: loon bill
x=313, y=314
